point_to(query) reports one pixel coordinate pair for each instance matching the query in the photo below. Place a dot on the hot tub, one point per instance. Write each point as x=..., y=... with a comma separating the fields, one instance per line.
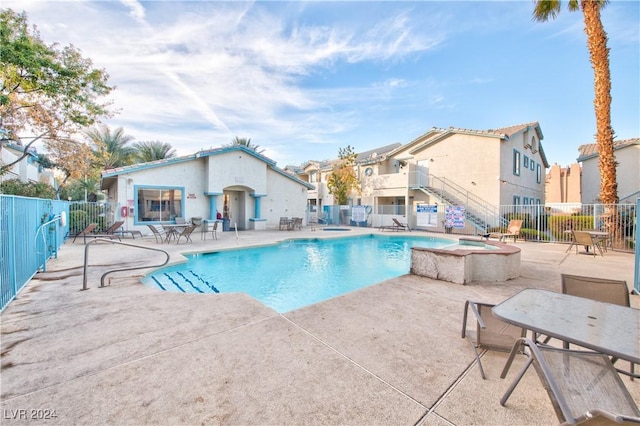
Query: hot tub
x=468, y=261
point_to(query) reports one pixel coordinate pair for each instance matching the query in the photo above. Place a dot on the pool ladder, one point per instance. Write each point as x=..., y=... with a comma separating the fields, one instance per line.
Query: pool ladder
x=86, y=259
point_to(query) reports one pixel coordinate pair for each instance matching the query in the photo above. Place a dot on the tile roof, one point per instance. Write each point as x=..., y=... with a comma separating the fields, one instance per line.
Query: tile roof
x=590, y=150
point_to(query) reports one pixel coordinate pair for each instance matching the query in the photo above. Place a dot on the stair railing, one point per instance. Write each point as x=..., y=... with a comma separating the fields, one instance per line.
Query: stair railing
x=86, y=259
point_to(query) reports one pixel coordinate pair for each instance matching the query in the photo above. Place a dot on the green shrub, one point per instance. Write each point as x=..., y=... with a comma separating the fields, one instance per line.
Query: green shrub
x=78, y=220
x=27, y=189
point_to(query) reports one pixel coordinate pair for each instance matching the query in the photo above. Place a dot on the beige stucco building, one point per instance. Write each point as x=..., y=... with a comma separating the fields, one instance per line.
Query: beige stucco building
x=627, y=154
x=235, y=182
x=479, y=169
x=26, y=170
x=563, y=184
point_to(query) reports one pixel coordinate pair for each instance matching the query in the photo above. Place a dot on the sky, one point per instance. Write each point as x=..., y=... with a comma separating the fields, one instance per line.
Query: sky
x=304, y=79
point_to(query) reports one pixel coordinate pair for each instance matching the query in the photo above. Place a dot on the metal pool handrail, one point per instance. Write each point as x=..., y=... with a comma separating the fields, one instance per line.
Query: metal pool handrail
x=86, y=254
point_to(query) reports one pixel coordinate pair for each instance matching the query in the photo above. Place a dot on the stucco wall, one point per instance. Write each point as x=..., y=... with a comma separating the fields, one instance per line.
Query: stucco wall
x=236, y=173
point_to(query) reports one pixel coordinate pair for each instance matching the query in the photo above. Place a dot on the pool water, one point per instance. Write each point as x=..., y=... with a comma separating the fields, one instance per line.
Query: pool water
x=295, y=273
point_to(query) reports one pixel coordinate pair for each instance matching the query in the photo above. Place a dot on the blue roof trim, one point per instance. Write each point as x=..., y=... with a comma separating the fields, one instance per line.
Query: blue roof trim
x=200, y=154
x=290, y=176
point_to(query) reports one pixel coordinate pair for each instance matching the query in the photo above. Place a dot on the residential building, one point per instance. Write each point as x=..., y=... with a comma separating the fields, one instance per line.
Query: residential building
x=28, y=169
x=478, y=169
x=244, y=188
x=563, y=184
x=627, y=154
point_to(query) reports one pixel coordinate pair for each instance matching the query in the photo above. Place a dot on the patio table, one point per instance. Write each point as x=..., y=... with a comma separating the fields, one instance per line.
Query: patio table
x=173, y=229
x=603, y=327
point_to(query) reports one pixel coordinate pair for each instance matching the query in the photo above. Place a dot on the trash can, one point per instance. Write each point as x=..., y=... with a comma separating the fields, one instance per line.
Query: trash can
x=225, y=224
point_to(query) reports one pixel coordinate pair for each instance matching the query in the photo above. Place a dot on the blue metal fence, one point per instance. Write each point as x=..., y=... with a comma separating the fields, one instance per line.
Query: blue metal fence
x=30, y=234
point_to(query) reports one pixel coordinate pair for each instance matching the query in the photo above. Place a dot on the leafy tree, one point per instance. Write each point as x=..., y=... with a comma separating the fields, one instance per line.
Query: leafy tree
x=246, y=142
x=151, y=151
x=343, y=180
x=599, y=57
x=48, y=93
x=110, y=148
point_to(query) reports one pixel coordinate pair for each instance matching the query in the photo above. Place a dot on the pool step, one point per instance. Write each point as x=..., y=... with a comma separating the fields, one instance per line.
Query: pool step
x=184, y=282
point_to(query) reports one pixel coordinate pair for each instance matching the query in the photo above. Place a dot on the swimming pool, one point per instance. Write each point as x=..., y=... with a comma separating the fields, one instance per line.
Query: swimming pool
x=295, y=273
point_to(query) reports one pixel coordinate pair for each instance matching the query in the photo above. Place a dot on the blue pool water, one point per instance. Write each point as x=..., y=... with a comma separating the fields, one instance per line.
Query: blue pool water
x=295, y=273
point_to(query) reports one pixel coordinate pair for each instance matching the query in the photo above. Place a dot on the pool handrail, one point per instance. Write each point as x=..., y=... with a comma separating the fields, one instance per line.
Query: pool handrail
x=86, y=254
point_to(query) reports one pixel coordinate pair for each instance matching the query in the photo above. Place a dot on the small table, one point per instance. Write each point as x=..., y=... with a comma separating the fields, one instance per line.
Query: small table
x=603, y=327
x=173, y=229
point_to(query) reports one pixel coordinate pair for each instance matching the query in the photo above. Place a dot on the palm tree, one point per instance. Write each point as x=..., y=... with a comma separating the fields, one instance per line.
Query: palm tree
x=246, y=142
x=110, y=149
x=599, y=57
x=153, y=150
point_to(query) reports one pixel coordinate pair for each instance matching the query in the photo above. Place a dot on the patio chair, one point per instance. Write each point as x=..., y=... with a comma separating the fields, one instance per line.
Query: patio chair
x=491, y=333
x=186, y=233
x=398, y=225
x=583, y=386
x=158, y=232
x=584, y=238
x=602, y=290
x=513, y=231
x=296, y=223
x=209, y=227
x=285, y=223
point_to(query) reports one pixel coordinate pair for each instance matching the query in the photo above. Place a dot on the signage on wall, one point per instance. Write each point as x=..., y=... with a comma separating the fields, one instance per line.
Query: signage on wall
x=454, y=217
x=427, y=215
x=191, y=196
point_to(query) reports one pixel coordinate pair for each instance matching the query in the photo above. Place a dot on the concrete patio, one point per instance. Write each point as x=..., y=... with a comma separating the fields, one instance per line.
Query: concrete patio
x=388, y=354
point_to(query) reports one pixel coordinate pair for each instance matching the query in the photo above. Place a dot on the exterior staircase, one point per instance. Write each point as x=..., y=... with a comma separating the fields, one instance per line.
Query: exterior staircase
x=478, y=212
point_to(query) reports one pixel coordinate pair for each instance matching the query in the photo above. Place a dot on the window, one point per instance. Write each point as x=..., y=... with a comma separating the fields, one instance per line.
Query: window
x=157, y=204
x=538, y=173
x=526, y=162
x=516, y=200
x=532, y=165
x=525, y=200
x=516, y=162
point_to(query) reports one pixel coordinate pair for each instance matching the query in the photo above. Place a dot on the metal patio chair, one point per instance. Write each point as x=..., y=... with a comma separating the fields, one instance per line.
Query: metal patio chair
x=584, y=387
x=186, y=233
x=602, y=290
x=490, y=332
x=584, y=238
x=158, y=232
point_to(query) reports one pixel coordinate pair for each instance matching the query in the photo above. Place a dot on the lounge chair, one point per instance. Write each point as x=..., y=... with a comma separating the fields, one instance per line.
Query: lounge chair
x=89, y=229
x=584, y=238
x=513, y=230
x=158, y=232
x=490, y=333
x=602, y=290
x=583, y=386
x=186, y=233
x=398, y=225
x=89, y=232
x=113, y=229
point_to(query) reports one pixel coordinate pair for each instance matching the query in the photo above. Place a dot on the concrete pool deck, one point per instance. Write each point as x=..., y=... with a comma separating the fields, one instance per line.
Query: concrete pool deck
x=388, y=354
